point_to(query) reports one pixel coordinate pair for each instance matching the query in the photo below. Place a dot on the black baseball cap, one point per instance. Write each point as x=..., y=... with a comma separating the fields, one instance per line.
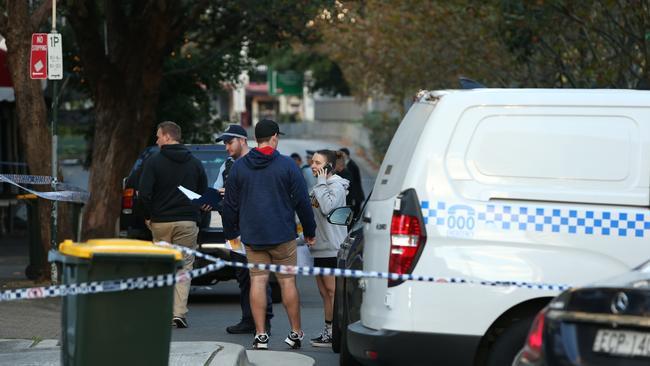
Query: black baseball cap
x=266, y=128
x=233, y=132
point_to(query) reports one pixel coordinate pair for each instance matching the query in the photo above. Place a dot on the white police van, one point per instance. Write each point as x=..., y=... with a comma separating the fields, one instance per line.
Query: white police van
x=543, y=186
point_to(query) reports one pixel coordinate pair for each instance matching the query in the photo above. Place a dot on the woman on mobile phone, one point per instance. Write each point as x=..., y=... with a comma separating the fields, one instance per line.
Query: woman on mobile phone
x=327, y=194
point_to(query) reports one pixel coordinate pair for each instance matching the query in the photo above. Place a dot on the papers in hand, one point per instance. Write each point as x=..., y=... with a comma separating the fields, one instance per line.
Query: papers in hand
x=211, y=196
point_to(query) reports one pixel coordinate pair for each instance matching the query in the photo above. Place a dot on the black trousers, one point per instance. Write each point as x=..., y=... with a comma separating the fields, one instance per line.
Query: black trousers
x=244, y=280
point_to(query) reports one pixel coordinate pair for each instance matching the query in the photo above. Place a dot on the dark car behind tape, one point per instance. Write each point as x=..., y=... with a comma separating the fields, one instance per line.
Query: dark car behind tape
x=211, y=239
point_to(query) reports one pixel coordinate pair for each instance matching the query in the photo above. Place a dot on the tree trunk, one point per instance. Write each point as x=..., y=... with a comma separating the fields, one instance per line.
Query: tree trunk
x=124, y=79
x=31, y=110
x=122, y=129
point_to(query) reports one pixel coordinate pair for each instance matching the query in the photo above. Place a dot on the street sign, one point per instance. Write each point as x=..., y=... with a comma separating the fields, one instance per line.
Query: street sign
x=54, y=56
x=287, y=82
x=38, y=57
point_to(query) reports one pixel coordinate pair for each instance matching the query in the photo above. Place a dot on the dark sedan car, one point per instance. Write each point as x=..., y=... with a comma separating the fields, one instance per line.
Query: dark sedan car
x=211, y=238
x=347, y=298
x=603, y=324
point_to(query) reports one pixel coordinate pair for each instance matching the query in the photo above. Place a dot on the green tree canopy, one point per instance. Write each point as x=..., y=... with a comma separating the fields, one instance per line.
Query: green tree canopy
x=126, y=51
x=580, y=44
x=398, y=47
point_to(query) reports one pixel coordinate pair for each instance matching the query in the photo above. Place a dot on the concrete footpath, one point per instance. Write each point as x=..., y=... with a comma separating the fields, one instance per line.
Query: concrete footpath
x=38, y=323
x=22, y=352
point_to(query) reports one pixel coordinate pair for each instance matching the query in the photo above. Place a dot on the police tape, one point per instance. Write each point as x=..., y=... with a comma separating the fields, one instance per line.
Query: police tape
x=41, y=180
x=96, y=287
x=69, y=194
x=169, y=279
x=28, y=179
x=356, y=273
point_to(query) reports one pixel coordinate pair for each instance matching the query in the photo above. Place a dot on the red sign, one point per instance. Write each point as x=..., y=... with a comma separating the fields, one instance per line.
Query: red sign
x=38, y=58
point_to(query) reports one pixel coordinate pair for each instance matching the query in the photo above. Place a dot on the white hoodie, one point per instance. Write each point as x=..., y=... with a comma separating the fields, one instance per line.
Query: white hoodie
x=328, y=194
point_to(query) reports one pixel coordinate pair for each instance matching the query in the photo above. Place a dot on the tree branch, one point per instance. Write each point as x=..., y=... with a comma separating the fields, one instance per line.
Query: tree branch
x=40, y=15
x=84, y=20
x=182, y=23
x=559, y=62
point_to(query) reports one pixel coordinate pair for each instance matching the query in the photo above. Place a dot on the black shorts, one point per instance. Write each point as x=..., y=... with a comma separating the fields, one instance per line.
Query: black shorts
x=327, y=262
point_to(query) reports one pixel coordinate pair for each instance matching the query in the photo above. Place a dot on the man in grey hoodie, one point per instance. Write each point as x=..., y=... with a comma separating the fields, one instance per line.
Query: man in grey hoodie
x=327, y=194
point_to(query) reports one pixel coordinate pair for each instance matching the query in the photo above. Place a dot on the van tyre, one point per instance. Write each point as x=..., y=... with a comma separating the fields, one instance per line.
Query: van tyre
x=509, y=343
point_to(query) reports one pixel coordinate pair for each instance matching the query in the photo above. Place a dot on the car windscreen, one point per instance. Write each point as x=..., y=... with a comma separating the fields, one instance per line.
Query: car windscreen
x=212, y=161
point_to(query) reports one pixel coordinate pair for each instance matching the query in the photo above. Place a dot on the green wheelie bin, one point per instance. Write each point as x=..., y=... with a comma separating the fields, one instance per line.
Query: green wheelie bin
x=116, y=328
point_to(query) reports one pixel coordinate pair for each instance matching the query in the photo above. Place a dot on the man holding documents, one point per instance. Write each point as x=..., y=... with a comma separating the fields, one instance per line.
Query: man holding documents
x=235, y=139
x=169, y=213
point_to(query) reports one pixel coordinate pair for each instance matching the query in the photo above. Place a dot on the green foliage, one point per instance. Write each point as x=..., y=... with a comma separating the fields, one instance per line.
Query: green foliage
x=397, y=48
x=229, y=37
x=72, y=146
x=221, y=41
x=326, y=76
x=586, y=44
x=186, y=98
x=382, y=127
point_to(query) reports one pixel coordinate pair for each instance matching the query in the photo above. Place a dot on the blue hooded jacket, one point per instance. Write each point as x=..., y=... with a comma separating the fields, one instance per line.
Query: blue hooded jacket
x=263, y=194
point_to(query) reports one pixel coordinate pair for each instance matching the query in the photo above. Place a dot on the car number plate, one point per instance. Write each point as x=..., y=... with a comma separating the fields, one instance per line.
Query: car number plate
x=623, y=343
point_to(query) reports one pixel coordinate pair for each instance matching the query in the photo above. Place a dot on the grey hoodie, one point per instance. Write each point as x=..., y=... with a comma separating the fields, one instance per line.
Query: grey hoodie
x=327, y=195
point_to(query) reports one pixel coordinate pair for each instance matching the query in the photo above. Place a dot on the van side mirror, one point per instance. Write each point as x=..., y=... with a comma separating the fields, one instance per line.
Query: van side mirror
x=340, y=216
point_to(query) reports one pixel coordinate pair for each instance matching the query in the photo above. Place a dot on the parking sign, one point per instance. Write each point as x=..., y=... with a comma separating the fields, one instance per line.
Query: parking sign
x=54, y=57
x=38, y=57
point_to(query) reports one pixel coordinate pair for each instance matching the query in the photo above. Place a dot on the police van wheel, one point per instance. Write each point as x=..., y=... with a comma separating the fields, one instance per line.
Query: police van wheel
x=509, y=343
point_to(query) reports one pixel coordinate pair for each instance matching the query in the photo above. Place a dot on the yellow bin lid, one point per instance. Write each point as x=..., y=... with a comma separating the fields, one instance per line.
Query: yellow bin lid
x=116, y=246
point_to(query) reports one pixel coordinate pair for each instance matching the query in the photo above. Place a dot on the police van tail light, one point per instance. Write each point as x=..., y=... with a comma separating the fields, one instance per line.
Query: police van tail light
x=407, y=235
x=533, y=349
x=127, y=200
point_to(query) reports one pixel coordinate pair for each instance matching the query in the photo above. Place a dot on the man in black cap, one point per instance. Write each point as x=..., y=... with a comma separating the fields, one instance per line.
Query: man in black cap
x=235, y=139
x=356, y=196
x=265, y=190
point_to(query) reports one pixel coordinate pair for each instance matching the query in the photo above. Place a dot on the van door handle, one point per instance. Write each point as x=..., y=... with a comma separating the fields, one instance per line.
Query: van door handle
x=366, y=218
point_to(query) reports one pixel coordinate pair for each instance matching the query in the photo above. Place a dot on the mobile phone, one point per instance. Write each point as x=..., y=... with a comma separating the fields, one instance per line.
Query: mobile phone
x=328, y=168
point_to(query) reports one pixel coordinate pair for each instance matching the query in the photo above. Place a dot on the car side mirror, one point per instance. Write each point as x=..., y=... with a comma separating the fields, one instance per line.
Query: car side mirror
x=340, y=216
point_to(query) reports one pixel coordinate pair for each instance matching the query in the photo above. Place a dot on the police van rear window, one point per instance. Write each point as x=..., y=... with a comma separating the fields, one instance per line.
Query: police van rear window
x=397, y=159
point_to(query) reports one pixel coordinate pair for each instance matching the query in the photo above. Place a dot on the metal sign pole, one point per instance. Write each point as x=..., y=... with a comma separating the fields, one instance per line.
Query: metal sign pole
x=55, y=145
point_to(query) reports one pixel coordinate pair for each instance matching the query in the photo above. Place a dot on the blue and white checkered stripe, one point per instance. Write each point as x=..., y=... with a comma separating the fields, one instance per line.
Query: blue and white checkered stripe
x=28, y=179
x=40, y=180
x=72, y=194
x=170, y=279
x=622, y=223
x=96, y=287
x=355, y=273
